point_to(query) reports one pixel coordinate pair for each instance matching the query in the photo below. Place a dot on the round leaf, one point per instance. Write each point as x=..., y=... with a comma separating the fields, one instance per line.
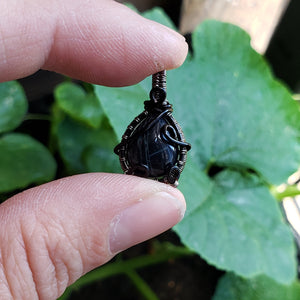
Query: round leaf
x=78, y=104
x=128, y=100
x=235, y=114
x=231, y=287
x=235, y=224
x=85, y=149
x=24, y=161
x=101, y=159
x=13, y=105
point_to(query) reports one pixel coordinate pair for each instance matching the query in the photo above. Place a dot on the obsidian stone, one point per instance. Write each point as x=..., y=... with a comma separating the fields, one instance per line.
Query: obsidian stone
x=149, y=154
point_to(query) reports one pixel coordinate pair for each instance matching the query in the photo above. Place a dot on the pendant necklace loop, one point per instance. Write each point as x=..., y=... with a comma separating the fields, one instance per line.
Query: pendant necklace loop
x=153, y=145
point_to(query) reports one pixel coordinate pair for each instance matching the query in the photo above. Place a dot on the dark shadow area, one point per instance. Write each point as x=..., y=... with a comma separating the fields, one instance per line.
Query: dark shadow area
x=283, y=52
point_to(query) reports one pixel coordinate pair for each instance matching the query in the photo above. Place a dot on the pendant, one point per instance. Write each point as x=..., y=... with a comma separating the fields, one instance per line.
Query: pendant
x=153, y=145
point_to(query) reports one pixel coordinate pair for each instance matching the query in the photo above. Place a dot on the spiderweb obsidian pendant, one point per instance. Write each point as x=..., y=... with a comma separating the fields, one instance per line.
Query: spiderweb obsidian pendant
x=153, y=144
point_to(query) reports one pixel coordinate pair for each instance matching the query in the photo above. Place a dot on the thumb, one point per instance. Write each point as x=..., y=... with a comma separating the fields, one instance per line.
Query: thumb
x=53, y=234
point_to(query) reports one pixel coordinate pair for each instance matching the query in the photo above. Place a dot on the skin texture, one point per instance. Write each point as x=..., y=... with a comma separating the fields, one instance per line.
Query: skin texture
x=98, y=41
x=52, y=234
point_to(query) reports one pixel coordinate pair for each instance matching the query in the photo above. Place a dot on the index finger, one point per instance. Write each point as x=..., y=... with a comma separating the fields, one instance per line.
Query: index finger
x=101, y=42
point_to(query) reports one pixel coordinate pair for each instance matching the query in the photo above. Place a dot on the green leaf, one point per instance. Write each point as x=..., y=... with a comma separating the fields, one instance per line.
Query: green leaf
x=24, y=161
x=239, y=119
x=158, y=15
x=78, y=104
x=85, y=149
x=231, y=287
x=102, y=159
x=234, y=113
x=235, y=224
x=121, y=105
x=13, y=105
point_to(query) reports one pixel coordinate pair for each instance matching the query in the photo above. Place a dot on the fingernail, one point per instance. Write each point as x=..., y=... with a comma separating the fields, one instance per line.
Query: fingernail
x=176, y=34
x=145, y=219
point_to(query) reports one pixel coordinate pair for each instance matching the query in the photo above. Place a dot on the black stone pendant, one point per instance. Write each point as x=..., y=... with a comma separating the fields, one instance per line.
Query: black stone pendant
x=153, y=144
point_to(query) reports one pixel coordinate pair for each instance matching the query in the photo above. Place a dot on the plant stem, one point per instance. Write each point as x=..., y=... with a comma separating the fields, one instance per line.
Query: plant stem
x=290, y=191
x=141, y=285
x=165, y=252
x=42, y=117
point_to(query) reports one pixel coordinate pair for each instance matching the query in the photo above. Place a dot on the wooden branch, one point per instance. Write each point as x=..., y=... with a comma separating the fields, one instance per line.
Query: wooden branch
x=258, y=17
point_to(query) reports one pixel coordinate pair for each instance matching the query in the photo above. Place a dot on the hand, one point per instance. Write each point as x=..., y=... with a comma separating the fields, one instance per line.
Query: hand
x=53, y=234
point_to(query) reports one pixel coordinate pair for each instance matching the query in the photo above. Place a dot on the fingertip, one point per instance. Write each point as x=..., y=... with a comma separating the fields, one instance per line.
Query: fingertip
x=144, y=219
x=178, y=49
x=83, y=221
x=108, y=51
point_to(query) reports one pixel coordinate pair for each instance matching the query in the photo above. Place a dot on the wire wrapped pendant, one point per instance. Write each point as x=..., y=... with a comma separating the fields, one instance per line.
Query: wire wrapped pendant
x=153, y=145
